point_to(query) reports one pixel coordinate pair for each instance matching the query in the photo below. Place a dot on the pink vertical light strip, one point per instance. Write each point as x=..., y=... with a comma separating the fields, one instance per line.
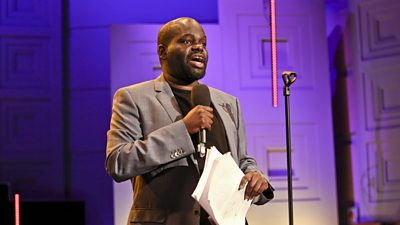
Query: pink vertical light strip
x=274, y=64
x=16, y=205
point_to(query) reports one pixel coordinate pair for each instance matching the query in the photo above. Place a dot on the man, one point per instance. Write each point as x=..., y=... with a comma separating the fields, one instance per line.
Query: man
x=154, y=133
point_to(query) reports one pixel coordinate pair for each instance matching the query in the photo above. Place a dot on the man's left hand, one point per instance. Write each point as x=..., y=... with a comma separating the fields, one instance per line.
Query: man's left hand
x=256, y=184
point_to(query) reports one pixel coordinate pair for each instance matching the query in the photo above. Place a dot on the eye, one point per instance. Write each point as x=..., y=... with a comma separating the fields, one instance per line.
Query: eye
x=187, y=42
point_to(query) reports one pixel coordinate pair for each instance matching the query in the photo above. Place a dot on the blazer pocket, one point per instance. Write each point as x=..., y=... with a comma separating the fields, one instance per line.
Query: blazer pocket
x=179, y=162
x=147, y=216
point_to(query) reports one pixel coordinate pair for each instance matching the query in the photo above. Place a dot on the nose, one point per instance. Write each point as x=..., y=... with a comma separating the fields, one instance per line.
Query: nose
x=198, y=47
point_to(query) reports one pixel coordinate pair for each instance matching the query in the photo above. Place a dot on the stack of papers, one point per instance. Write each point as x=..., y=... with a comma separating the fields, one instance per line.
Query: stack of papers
x=217, y=191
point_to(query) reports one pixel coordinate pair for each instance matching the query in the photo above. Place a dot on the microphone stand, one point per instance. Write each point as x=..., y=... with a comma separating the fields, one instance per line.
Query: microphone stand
x=288, y=79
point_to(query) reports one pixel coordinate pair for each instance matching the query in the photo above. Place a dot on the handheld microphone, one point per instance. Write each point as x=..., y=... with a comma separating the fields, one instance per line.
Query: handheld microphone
x=201, y=96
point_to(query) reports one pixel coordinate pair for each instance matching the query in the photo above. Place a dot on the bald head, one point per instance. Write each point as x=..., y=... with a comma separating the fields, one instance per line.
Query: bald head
x=182, y=50
x=170, y=29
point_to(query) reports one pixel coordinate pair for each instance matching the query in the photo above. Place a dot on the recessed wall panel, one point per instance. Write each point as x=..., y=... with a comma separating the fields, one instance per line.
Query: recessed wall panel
x=381, y=88
x=268, y=144
x=293, y=40
x=378, y=38
x=25, y=63
x=24, y=131
x=383, y=176
x=25, y=12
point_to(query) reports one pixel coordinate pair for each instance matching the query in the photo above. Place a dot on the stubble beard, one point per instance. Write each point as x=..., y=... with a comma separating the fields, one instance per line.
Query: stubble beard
x=196, y=74
x=189, y=74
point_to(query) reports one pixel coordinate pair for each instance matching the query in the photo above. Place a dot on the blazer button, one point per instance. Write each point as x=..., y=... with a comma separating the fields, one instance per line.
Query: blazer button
x=196, y=212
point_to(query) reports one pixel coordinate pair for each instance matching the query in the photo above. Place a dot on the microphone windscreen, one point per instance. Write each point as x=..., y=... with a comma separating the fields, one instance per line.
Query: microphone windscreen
x=200, y=95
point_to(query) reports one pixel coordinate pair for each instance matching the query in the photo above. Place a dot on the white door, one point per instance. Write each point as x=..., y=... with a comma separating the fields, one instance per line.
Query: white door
x=375, y=108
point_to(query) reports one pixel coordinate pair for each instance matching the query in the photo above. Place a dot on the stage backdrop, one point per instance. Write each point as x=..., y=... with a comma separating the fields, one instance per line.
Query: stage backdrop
x=239, y=63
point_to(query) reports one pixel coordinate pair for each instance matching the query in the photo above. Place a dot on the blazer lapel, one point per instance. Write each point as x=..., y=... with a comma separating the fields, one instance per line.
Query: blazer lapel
x=225, y=112
x=167, y=99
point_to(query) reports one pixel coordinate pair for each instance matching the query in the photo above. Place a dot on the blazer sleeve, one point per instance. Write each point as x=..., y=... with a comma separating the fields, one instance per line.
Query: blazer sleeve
x=129, y=153
x=246, y=163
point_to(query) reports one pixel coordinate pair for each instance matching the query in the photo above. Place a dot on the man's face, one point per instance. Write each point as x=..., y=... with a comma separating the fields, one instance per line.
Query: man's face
x=186, y=53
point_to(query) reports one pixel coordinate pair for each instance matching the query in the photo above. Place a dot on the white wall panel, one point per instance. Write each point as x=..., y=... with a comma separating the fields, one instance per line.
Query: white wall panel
x=254, y=42
x=378, y=33
x=375, y=108
x=382, y=96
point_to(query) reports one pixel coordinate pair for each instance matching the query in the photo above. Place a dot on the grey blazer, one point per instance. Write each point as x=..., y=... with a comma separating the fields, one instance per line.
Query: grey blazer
x=148, y=143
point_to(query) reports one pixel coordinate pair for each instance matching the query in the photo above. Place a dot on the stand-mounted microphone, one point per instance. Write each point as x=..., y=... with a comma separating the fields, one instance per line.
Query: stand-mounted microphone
x=201, y=96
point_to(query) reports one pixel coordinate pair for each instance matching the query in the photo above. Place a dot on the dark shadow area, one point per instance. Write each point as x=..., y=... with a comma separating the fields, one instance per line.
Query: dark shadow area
x=66, y=97
x=340, y=114
x=43, y=212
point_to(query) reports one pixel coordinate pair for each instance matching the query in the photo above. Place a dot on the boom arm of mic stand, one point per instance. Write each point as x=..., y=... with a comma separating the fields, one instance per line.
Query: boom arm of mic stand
x=289, y=78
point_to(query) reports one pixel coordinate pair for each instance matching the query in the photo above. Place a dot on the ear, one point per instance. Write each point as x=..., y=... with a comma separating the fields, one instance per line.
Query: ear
x=162, y=51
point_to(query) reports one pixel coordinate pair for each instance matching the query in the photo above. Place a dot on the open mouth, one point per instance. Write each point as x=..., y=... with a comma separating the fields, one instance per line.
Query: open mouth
x=197, y=61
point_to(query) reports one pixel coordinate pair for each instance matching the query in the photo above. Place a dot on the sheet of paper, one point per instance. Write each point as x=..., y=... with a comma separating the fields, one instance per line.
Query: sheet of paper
x=200, y=193
x=217, y=190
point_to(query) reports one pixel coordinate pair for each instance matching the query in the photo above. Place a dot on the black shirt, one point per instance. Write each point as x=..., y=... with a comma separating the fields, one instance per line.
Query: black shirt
x=215, y=137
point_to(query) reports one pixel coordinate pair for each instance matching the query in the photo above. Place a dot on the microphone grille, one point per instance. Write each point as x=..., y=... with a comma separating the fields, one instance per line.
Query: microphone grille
x=200, y=95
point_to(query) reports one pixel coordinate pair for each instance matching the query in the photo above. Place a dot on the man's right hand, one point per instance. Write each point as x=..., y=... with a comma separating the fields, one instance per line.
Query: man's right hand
x=198, y=118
